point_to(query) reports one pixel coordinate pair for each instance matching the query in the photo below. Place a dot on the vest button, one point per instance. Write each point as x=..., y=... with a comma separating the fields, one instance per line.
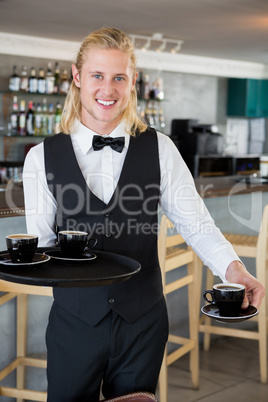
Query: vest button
x=111, y=300
x=108, y=235
x=108, y=214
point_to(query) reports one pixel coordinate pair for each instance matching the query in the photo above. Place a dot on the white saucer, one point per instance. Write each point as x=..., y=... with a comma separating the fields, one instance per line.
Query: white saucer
x=57, y=255
x=212, y=311
x=37, y=259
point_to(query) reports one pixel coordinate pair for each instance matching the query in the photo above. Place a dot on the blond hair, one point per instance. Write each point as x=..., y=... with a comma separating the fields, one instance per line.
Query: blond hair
x=104, y=38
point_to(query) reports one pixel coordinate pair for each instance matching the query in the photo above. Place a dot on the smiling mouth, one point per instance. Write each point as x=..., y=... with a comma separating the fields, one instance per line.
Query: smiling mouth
x=105, y=103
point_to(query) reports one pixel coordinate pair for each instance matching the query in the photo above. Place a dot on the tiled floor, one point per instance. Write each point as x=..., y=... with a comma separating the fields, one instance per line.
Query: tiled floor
x=229, y=372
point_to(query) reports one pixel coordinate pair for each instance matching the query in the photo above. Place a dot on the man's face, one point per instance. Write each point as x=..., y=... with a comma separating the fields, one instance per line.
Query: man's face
x=105, y=83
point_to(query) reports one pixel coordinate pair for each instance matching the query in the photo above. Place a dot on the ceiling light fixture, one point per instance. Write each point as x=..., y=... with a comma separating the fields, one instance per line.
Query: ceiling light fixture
x=177, y=48
x=156, y=42
x=162, y=47
x=146, y=46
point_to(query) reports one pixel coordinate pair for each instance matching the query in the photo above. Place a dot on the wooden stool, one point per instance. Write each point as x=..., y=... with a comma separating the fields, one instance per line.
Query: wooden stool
x=172, y=255
x=253, y=247
x=134, y=397
x=21, y=292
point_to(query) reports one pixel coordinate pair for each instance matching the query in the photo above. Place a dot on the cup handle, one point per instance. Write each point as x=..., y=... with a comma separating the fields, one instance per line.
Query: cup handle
x=205, y=296
x=94, y=242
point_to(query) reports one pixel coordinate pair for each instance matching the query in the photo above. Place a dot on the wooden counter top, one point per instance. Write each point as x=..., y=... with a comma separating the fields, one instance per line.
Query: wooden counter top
x=209, y=187
x=12, y=201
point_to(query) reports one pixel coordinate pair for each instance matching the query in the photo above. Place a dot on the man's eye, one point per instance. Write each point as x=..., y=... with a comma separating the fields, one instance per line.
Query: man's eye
x=119, y=78
x=98, y=76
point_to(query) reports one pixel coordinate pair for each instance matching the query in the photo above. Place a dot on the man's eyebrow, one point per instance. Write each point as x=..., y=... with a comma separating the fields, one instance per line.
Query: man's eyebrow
x=96, y=72
x=101, y=72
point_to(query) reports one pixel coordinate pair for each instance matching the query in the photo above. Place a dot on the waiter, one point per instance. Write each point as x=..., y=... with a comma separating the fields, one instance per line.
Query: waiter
x=107, y=173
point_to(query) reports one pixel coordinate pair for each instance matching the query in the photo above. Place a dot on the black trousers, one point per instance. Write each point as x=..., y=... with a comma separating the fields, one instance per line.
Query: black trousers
x=121, y=357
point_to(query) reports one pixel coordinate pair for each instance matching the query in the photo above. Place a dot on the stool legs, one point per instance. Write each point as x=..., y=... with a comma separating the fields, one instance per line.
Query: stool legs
x=163, y=379
x=209, y=284
x=195, y=269
x=22, y=310
x=262, y=323
x=262, y=317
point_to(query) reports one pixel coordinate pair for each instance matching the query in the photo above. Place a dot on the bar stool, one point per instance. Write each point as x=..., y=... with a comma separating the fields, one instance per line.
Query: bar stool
x=253, y=247
x=21, y=292
x=173, y=253
x=134, y=397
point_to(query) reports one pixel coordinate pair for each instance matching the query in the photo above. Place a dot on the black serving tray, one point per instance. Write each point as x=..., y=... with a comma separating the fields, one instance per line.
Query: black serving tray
x=107, y=268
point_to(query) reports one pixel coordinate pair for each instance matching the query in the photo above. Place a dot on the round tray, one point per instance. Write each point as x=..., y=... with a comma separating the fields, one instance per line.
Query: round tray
x=107, y=268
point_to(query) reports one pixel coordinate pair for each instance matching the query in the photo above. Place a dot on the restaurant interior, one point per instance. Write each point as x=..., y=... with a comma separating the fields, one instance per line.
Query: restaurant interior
x=203, y=81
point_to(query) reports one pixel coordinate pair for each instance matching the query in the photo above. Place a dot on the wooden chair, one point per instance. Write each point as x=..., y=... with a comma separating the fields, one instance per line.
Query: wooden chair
x=253, y=247
x=21, y=292
x=173, y=253
x=134, y=397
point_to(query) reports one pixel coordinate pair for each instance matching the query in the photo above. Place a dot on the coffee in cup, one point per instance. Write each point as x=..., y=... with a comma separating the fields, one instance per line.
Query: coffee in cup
x=21, y=247
x=74, y=243
x=228, y=297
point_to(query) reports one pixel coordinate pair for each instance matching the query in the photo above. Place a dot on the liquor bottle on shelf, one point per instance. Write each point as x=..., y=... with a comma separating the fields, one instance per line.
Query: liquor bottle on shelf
x=57, y=79
x=146, y=94
x=155, y=116
x=65, y=84
x=24, y=81
x=161, y=119
x=14, y=81
x=149, y=118
x=22, y=119
x=14, y=117
x=30, y=119
x=159, y=88
x=57, y=118
x=41, y=81
x=44, y=118
x=140, y=86
x=38, y=120
x=49, y=80
x=154, y=91
x=51, y=119
x=33, y=81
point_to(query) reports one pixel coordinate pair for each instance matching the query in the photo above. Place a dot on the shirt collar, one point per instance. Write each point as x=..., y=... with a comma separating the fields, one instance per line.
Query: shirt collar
x=83, y=135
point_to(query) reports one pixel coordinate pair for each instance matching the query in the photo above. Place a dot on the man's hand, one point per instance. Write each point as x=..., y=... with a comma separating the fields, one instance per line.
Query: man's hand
x=255, y=291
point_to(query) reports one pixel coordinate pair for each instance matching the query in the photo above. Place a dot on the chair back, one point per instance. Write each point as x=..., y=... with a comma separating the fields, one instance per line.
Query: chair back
x=262, y=247
x=172, y=252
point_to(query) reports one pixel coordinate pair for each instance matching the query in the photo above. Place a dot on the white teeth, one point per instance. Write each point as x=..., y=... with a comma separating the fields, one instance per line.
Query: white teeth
x=105, y=103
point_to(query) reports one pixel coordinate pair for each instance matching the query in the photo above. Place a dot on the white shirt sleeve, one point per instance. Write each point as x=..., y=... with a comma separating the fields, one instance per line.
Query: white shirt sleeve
x=40, y=205
x=181, y=203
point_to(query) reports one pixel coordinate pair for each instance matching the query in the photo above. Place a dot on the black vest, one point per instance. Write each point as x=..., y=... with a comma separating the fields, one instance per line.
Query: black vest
x=128, y=225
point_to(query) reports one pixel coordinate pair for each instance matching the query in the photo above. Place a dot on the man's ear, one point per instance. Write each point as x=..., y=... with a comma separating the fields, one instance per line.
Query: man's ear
x=76, y=76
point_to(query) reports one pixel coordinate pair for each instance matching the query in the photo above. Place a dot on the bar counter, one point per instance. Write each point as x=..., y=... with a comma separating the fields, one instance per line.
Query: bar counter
x=12, y=201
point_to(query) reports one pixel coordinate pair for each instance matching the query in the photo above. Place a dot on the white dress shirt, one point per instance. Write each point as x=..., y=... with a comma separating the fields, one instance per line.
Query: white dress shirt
x=179, y=199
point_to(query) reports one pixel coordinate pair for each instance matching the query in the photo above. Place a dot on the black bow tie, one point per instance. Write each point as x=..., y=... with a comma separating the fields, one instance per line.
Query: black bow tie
x=115, y=143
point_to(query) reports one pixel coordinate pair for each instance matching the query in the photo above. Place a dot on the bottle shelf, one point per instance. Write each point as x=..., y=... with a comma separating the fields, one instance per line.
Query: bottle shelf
x=152, y=100
x=22, y=93
x=5, y=135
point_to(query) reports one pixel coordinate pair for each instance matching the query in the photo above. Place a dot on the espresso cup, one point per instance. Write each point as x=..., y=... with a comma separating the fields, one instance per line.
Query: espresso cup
x=74, y=243
x=228, y=297
x=21, y=247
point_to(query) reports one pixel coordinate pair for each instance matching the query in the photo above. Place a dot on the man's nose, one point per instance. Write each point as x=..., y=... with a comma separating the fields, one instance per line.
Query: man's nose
x=107, y=87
